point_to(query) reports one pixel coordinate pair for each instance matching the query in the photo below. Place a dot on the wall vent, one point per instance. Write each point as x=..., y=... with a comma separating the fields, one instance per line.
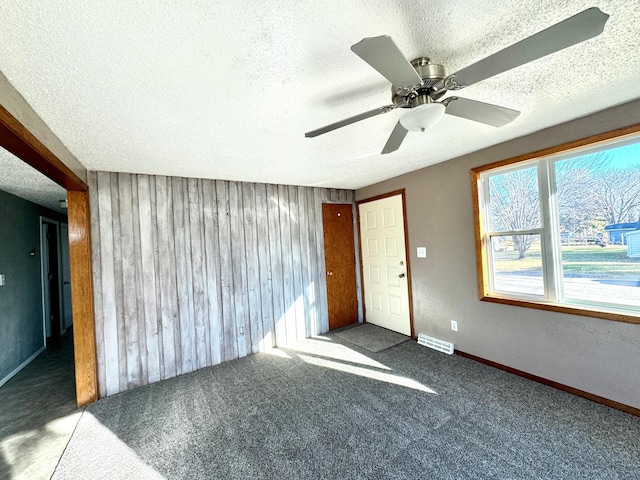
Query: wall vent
x=435, y=343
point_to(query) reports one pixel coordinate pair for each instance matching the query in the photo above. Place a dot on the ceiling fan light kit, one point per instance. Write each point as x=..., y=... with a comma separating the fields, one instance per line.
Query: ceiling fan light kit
x=419, y=84
x=420, y=118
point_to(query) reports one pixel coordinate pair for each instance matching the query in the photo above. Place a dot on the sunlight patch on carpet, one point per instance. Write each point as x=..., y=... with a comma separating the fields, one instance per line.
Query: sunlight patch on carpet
x=367, y=373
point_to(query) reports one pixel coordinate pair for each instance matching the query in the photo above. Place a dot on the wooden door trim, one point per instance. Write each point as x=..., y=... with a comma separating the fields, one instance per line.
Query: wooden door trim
x=18, y=140
x=394, y=193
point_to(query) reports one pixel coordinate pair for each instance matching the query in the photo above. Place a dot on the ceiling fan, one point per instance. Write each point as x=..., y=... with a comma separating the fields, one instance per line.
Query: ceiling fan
x=419, y=84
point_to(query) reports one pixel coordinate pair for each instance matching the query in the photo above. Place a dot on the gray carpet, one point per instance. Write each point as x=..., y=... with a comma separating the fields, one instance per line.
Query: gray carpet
x=326, y=409
x=371, y=337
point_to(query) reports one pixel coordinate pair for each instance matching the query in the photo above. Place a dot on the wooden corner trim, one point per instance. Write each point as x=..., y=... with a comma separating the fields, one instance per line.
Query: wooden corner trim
x=550, y=383
x=24, y=145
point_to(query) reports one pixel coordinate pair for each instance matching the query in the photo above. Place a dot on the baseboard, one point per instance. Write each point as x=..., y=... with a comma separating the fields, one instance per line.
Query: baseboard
x=565, y=388
x=21, y=366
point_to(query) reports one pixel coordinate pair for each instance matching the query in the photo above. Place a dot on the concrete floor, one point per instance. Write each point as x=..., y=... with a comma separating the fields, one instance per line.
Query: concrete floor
x=38, y=414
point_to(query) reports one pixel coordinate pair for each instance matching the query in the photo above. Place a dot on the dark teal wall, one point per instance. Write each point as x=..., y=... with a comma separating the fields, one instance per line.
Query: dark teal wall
x=21, y=297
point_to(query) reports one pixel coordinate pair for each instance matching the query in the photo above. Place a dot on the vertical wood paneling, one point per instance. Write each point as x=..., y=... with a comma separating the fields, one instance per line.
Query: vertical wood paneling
x=275, y=252
x=193, y=272
x=148, y=279
x=198, y=272
x=135, y=259
x=304, y=327
x=230, y=350
x=287, y=265
x=159, y=341
x=253, y=269
x=106, y=316
x=129, y=281
x=119, y=284
x=312, y=271
x=296, y=256
x=321, y=195
x=212, y=256
x=96, y=269
x=166, y=276
x=267, y=340
x=239, y=269
x=182, y=278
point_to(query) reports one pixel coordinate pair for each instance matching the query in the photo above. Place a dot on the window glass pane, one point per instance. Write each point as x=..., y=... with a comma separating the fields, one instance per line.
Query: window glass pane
x=517, y=264
x=513, y=200
x=598, y=198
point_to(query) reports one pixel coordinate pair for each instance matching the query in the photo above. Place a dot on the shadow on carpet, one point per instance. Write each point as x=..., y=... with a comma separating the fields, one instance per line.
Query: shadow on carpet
x=371, y=337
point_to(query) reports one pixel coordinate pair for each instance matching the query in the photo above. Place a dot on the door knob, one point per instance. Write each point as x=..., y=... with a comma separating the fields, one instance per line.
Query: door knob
x=329, y=273
x=401, y=275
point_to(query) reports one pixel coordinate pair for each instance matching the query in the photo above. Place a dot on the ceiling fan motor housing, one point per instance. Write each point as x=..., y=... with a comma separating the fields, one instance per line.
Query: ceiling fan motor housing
x=430, y=73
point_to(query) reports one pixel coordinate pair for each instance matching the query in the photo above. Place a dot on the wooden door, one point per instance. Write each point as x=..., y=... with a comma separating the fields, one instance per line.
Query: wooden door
x=340, y=261
x=384, y=264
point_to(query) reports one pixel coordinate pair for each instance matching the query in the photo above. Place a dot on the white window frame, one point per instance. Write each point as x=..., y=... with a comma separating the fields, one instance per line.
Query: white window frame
x=553, y=297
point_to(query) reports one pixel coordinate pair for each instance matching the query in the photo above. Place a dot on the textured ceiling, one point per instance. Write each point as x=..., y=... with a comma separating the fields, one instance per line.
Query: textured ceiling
x=22, y=180
x=227, y=89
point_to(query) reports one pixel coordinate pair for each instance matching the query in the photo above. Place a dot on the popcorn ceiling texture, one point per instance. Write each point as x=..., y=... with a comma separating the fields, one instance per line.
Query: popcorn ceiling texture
x=22, y=180
x=227, y=90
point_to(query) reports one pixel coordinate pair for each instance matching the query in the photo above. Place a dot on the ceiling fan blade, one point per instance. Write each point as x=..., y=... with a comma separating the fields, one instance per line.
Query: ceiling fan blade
x=349, y=121
x=573, y=30
x=395, y=139
x=479, y=111
x=383, y=55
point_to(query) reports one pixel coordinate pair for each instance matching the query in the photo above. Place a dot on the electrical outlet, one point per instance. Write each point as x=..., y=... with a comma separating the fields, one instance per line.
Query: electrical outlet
x=454, y=325
x=241, y=330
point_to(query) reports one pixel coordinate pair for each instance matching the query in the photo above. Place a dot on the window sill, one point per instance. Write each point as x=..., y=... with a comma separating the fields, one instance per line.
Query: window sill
x=554, y=307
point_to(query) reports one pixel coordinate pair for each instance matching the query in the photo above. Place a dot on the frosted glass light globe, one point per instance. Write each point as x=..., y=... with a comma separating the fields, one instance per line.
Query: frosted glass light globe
x=418, y=119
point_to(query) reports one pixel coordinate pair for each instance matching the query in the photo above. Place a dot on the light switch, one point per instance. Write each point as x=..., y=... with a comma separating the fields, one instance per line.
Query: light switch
x=2, y=280
x=422, y=252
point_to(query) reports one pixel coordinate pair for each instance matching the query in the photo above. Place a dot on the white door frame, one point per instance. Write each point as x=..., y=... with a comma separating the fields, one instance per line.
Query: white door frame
x=44, y=268
x=402, y=195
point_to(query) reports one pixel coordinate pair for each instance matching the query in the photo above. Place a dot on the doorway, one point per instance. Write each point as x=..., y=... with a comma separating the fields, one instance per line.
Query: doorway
x=56, y=280
x=16, y=138
x=385, y=264
x=340, y=261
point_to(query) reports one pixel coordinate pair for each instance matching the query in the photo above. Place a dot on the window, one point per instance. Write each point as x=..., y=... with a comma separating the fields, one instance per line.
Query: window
x=560, y=229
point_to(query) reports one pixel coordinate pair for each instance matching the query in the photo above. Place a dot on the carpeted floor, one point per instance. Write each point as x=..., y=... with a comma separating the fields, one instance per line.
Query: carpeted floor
x=328, y=409
x=371, y=337
x=38, y=413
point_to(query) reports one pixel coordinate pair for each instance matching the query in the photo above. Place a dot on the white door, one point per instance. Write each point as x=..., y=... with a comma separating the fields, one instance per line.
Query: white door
x=65, y=269
x=384, y=264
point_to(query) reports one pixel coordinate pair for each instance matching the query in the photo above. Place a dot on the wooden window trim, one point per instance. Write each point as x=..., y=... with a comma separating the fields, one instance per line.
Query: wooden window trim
x=481, y=257
x=17, y=139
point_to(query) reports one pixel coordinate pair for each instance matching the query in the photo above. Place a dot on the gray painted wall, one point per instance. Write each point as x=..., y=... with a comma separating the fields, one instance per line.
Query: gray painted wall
x=598, y=356
x=183, y=266
x=21, y=298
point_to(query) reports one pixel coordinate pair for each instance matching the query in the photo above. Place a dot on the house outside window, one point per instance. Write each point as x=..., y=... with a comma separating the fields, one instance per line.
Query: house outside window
x=559, y=229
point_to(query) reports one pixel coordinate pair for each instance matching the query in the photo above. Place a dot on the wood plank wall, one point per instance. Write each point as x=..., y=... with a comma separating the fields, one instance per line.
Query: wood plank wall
x=189, y=272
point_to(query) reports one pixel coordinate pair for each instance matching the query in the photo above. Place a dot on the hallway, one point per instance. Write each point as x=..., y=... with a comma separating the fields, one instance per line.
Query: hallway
x=38, y=414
